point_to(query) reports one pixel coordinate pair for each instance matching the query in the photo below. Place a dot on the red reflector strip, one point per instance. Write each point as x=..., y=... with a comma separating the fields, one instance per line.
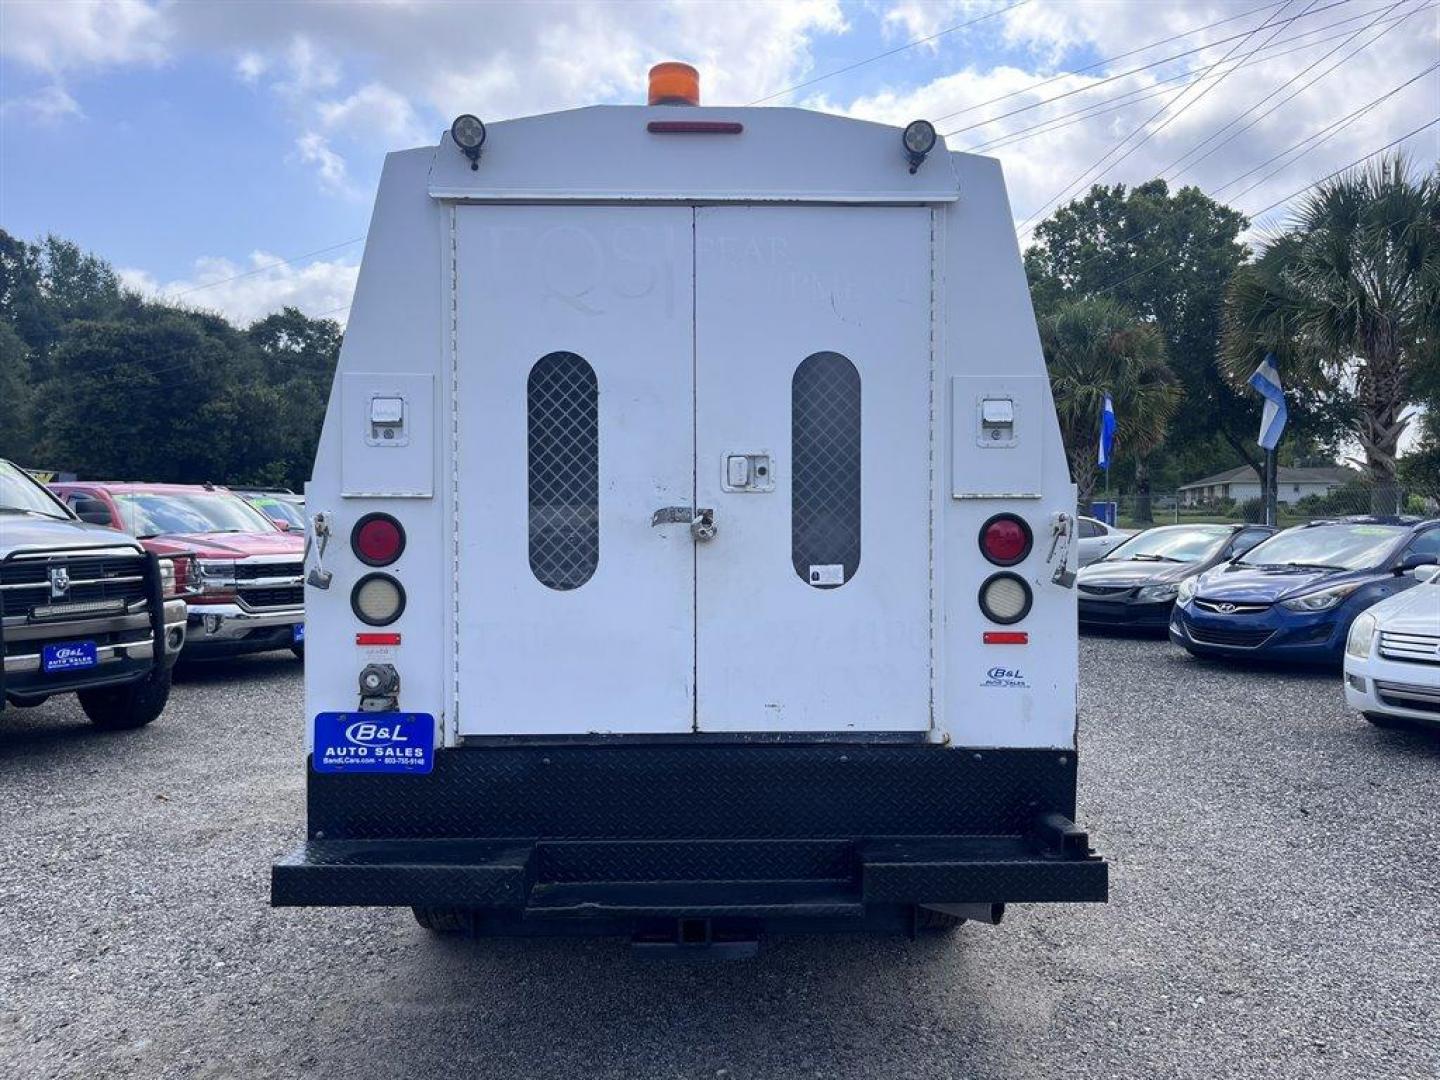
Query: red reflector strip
x=377, y=639
x=694, y=127
x=1006, y=637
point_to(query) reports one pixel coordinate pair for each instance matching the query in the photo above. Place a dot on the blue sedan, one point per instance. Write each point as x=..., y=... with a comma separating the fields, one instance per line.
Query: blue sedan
x=1294, y=596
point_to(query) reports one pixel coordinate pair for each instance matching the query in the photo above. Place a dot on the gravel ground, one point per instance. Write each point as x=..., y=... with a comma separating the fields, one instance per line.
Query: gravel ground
x=1275, y=913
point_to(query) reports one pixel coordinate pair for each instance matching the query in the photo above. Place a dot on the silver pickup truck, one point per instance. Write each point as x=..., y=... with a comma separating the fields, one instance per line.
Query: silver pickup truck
x=83, y=609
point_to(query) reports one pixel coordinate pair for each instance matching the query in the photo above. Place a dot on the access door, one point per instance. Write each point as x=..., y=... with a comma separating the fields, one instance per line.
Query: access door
x=574, y=391
x=813, y=448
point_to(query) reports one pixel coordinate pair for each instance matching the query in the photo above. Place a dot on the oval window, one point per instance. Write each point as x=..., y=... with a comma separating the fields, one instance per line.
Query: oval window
x=825, y=470
x=563, y=424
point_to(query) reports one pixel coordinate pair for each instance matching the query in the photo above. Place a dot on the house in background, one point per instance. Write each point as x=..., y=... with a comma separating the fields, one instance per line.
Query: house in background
x=1243, y=484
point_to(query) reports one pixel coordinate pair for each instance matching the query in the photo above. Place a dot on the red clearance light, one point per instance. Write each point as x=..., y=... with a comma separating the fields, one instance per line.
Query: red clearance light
x=694, y=127
x=377, y=539
x=377, y=639
x=1005, y=539
x=1007, y=637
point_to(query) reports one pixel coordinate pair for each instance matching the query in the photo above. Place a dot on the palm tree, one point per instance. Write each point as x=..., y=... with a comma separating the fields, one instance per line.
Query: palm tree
x=1094, y=347
x=1348, y=299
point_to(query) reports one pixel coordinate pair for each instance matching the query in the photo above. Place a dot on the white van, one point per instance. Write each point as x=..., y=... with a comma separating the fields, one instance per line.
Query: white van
x=692, y=541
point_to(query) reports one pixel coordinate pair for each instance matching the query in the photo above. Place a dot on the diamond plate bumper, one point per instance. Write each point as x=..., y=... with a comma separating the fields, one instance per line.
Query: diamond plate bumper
x=553, y=836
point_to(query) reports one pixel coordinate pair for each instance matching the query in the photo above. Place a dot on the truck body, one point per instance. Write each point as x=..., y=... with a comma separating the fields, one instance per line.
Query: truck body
x=692, y=545
x=83, y=610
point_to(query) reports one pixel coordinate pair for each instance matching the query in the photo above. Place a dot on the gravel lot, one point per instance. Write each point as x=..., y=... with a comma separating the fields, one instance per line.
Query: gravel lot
x=1275, y=912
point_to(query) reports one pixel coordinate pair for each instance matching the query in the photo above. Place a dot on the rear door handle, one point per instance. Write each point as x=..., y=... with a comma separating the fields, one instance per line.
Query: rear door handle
x=701, y=521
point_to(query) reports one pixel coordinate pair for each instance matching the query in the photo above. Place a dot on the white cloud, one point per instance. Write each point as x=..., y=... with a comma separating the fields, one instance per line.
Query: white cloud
x=249, y=66
x=48, y=105
x=1041, y=166
x=55, y=37
x=314, y=149
x=246, y=293
x=375, y=112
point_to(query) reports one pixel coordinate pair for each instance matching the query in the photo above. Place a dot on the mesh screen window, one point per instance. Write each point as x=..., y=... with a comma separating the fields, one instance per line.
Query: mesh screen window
x=562, y=402
x=825, y=488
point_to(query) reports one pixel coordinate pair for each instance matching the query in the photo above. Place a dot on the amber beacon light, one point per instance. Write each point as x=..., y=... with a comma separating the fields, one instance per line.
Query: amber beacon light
x=673, y=83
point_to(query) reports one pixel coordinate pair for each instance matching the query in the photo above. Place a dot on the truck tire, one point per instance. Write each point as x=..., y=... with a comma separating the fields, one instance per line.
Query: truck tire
x=440, y=920
x=928, y=920
x=123, y=708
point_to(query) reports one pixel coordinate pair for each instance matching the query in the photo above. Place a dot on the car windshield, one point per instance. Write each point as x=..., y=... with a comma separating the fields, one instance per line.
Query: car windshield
x=151, y=513
x=22, y=494
x=279, y=510
x=1172, y=543
x=1327, y=547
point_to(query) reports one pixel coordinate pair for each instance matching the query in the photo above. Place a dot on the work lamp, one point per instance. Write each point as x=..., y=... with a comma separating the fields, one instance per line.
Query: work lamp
x=919, y=139
x=468, y=133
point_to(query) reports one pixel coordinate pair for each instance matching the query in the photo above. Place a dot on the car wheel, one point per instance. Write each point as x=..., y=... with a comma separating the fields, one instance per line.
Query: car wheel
x=299, y=651
x=439, y=920
x=123, y=708
x=22, y=701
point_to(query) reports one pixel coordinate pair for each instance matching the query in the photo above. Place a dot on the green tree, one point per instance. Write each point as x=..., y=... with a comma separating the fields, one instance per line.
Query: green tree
x=1094, y=347
x=1348, y=299
x=16, y=398
x=1168, y=257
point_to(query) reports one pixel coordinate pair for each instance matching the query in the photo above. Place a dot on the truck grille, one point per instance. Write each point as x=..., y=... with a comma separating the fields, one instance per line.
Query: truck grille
x=25, y=586
x=1416, y=648
x=250, y=571
x=1235, y=638
x=273, y=596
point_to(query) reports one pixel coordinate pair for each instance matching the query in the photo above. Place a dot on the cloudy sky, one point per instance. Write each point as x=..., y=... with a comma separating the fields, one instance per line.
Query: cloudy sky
x=197, y=144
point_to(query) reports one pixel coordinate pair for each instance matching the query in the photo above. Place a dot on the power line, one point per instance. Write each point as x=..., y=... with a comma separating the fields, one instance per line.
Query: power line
x=1278, y=202
x=890, y=52
x=1290, y=82
x=1343, y=168
x=1099, y=168
x=1332, y=128
x=1111, y=104
x=1133, y=71
x=260, y=269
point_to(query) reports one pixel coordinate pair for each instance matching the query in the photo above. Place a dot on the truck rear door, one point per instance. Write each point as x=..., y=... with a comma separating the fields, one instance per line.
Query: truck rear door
x=626, y=377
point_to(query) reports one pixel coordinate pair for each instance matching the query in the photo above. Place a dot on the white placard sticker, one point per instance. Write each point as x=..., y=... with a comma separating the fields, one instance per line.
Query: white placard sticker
x=830, y=574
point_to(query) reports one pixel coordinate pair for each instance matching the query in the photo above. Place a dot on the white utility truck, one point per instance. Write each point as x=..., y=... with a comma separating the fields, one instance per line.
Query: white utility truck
x=691, y=545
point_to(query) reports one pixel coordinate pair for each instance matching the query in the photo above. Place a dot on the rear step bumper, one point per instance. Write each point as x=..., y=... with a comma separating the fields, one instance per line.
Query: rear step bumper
x=572, y=839
x=558, y=880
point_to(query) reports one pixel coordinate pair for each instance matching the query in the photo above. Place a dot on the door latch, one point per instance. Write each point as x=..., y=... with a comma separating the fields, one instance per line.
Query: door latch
x=701, y=521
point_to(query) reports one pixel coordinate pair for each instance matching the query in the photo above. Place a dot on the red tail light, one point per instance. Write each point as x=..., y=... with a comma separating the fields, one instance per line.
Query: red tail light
x=377, y=539
x=1006, y=539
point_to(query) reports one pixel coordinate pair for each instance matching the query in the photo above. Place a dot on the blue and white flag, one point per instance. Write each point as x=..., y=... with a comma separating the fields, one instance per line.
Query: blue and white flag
x=1107, y=431
x=1266, y=382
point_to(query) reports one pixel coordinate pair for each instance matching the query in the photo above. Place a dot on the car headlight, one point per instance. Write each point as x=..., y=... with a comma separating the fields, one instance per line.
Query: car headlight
x=1186, y=592
x=1362, y=635
x=1321, y=600
x=167, y=578
x=1158, y=592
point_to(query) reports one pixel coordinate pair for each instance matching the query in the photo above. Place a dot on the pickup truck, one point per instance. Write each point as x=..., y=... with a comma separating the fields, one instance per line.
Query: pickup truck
x=238, y=571
x=83, y=610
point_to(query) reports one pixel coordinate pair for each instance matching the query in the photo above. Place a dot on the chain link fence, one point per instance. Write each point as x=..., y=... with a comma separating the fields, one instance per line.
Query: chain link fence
x=1134, y=511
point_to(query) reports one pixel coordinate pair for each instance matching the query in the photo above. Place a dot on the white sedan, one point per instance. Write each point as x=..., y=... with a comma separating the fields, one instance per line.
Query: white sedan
x=1098, y=539
x=1392, y=657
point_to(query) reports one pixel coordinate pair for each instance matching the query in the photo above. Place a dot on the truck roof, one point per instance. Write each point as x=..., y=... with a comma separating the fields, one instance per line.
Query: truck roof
x=612, y=152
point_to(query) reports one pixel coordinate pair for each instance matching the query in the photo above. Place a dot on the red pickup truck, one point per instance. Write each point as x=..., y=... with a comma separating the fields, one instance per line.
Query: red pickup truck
x=240, y=573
